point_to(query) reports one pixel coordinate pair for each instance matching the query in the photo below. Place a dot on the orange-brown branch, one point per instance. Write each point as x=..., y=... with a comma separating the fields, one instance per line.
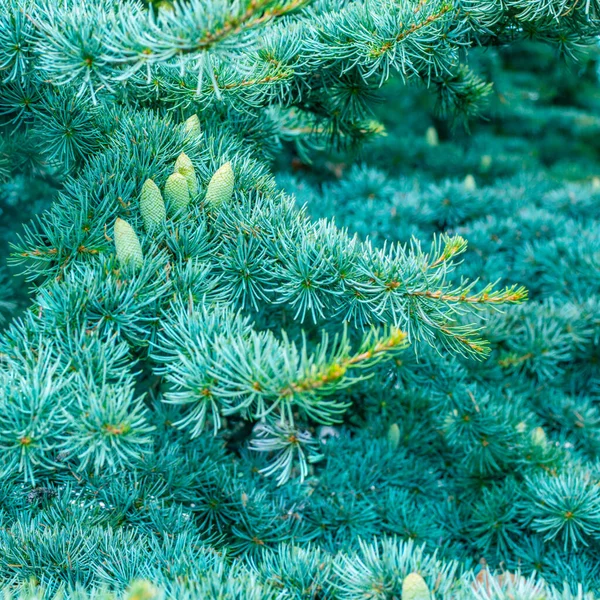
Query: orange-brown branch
x=248, y=19
x=412, y=29
x=336, y=371
x=484, y=298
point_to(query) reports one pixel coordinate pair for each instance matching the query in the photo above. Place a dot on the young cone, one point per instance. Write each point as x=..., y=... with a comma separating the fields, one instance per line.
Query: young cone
x=415, y=588
x=393, y=436
x=192, y=127
x=177, y=194
x=127, y=244
x=538, y=437
x=469, y=183
x=184, y=166
x=152, y=206
x=431, y=137
x=142, y=590
x=485, y=163
x=220, y=188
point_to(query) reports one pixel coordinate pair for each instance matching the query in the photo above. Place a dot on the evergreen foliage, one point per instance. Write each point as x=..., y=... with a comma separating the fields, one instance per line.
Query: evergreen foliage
x=264, y=355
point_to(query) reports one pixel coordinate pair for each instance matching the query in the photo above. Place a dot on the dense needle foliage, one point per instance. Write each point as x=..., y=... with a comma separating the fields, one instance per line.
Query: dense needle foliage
x=307, y=302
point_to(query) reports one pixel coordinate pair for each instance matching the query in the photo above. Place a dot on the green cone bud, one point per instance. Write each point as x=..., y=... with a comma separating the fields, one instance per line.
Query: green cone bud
x=485, y=163
x=469, y=183
x=415, y=588
x=192, y=127
x=376, y=127
x=152, y=206
x=177, y=194
x=142, y=590
x=220, y=188
x=127, y=244
x=393, y=436
x=184, y=166
x=538, y=437
x=431, y=137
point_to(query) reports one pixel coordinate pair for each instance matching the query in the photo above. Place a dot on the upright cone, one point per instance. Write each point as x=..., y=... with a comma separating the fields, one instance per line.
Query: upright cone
x=152, y=207
x=177, y=194
x=192, y=127
x=485, y=163
x=142, y=590
x=393, y=436
x=127, y=244
x=415, y=588
x=431, y=137
x=184, y=166
x=539, y=437
x=469, y=183
x=220, y=188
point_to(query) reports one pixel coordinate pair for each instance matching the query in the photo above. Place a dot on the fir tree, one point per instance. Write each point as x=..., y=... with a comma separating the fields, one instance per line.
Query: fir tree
x=234, y=380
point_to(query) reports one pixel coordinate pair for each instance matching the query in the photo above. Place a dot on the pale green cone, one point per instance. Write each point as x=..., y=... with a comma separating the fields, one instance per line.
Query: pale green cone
x=142, y=590
x=393, y=436
x=538, y=437
x=184, y=166
x=415, y=588
x=152, y=206
x=485, y=163
x=177, y=194
x=192, y=127
x=469, y=183
x=431, y=137
x=220, y=188
x=127, y=244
